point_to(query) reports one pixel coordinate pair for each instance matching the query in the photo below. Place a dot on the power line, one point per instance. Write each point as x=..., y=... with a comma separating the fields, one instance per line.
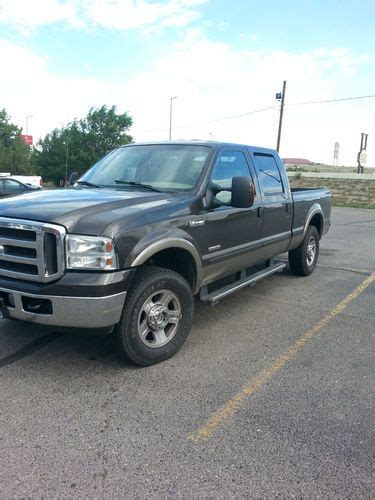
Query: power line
x=213, y=121
x=332, y=100
x=240, y=115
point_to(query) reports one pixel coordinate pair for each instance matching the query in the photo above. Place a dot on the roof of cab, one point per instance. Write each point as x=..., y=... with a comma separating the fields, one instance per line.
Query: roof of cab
x=212, y=144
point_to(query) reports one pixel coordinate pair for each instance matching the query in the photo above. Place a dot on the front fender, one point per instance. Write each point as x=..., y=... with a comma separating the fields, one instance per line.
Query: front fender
x=162, y=240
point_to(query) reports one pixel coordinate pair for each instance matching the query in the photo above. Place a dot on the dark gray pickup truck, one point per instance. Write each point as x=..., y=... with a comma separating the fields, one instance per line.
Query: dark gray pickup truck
x=144, y=230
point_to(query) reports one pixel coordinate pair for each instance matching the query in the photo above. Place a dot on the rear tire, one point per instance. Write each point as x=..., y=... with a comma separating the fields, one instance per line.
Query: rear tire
x=157, y=316
x=303, y=259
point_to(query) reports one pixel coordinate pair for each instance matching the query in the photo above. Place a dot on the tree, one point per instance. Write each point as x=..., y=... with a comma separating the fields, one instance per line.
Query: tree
x=14, y=153
x=80, y=144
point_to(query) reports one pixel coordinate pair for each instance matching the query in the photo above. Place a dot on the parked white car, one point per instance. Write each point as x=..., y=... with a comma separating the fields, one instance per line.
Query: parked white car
x=29, y=180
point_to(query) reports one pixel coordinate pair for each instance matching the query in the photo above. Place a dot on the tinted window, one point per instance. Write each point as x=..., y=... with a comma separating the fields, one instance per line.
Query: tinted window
x=228, y=165
x=12, y=186
x=268, y=174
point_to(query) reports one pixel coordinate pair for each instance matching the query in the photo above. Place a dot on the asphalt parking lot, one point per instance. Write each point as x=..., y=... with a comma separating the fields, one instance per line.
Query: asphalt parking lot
x=270, y=395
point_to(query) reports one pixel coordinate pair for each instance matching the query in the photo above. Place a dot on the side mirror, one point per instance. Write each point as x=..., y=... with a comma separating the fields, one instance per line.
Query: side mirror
x=212, y=191
x=73, y=177
x=243, y=192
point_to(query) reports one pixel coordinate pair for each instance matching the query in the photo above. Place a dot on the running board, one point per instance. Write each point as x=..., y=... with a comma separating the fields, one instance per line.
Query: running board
x=214, y=297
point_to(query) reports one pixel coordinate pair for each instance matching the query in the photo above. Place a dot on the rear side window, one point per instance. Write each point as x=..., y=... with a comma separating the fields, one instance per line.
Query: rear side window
x=268, y=174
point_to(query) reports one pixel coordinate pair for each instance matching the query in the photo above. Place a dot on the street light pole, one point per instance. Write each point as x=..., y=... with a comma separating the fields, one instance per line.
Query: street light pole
x=170, y=115
x=281, y=115
x=27, y=123
x=66, y=161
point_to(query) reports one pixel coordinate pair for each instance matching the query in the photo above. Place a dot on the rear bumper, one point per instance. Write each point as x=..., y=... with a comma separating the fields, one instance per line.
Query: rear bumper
x=75, y=312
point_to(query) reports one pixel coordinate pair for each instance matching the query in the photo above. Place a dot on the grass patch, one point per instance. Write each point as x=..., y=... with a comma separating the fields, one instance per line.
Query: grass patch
x=328, y=168
x=345, y=192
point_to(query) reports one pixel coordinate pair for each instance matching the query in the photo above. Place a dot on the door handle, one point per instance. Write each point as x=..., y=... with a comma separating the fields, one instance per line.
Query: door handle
x=196, y=223
x=259, y=212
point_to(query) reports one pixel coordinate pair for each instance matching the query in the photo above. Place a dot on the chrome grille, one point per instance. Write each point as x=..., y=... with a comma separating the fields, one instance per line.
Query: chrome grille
x=31, y=250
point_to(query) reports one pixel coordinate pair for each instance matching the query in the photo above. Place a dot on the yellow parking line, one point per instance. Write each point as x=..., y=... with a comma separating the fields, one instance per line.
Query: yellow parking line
x=225, y=412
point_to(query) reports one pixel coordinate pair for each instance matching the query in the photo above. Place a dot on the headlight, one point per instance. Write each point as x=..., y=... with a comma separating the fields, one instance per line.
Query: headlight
x=90, y=252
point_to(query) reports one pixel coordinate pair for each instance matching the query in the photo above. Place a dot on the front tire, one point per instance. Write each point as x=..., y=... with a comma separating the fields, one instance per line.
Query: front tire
x=157, y=316
x=303, y=259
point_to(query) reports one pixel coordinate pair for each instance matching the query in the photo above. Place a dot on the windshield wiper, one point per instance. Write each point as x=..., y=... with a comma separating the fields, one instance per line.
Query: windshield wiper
x=138, y=184
x=87, y=183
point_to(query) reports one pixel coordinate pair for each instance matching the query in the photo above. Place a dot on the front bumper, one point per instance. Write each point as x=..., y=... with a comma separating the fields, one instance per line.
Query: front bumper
x=77, y=300
x=75, y=312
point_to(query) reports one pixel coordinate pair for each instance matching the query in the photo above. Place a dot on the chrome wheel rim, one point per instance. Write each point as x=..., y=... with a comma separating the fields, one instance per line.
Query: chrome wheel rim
x=159, y=318
x=311, y=251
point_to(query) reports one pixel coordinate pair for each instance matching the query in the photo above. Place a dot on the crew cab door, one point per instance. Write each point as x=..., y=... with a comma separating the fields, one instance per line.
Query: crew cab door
x=232, y=234
x=277, y=204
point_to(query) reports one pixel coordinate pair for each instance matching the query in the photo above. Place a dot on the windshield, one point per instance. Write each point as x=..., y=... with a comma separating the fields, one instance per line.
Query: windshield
x=169, y=167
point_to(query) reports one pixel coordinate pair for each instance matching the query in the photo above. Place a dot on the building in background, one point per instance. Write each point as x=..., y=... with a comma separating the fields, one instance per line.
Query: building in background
x=27, y=139
x=291, y=162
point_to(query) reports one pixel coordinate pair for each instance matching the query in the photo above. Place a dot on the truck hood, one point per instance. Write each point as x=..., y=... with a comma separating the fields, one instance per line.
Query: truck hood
x=82, y=210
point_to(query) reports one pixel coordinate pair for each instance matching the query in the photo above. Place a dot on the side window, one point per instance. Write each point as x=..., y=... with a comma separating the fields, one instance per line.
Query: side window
x=268, y=174
x=12, y=186
x=229, y=164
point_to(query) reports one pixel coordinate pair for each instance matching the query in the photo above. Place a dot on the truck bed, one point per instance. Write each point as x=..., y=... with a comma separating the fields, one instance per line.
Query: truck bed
x=304, y=199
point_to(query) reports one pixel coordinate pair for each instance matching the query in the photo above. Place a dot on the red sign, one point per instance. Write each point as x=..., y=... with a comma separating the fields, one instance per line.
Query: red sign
x=27, y=139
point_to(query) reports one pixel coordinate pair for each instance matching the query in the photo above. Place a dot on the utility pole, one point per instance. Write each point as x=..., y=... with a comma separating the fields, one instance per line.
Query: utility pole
x=170, y=115
x=280, y=96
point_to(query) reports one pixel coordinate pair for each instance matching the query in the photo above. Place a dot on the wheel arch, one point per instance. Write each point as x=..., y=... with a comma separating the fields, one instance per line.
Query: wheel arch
x=315, y=218
x=176, y=254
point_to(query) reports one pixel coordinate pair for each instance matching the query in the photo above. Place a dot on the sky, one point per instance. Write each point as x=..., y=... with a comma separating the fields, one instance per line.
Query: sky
x=220, y=58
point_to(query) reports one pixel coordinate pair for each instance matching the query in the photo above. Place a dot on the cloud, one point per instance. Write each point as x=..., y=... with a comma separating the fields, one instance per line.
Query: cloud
x=128, y=14
x=26, y=15
x=213, y=80
x=251, y=38
x=29, y=87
